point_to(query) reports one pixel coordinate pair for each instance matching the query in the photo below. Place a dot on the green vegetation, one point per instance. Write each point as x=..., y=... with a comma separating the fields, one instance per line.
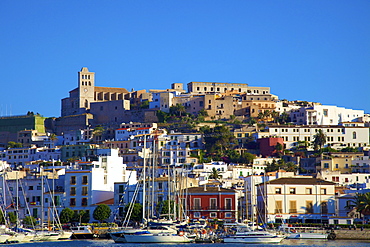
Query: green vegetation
x=162, y=208
x=319, y=140
x=29, y=221
x=12, y=144
x=137, y=211
x=66, y=215
x=102, y=212
x=361, y=203
x=281, y=165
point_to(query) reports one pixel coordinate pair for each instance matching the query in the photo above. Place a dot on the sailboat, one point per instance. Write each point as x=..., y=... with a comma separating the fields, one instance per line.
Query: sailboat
x=49, y=235
x=151, y=234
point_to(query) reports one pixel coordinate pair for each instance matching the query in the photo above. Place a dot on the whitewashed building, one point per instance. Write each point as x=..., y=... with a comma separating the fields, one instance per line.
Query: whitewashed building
x=89, y=183
x=338, y=136
x=325, y=115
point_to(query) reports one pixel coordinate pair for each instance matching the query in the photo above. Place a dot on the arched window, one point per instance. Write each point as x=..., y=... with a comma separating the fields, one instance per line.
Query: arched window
x=354, y=135
x=86, y=103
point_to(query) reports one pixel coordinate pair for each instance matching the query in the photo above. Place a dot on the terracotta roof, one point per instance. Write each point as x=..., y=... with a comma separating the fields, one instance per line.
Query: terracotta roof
x=107, y=202
x=292, y=180
x=210, y=190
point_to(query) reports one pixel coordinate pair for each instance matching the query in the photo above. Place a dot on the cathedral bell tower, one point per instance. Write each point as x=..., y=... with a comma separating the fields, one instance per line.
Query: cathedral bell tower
x=86, y=85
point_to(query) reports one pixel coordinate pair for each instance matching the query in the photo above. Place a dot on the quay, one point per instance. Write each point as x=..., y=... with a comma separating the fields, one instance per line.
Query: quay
x=347, y=234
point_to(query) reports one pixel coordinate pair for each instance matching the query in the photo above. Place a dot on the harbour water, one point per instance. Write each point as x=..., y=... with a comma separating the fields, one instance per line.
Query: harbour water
x=110, y=243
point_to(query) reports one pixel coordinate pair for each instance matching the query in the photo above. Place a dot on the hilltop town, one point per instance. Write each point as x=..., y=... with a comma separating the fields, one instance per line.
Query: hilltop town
x=225, y=152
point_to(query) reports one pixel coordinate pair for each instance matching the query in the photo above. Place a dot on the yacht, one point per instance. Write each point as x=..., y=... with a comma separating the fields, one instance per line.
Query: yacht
x=244, y=234
x=303, y=232
x=150, y=234
x=82, y=232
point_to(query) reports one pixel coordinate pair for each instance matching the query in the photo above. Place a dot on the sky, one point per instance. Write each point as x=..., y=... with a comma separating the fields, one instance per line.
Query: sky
x=312, y=50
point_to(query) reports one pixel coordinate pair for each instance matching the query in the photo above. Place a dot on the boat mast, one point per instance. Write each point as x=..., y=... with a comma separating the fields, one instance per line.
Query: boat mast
x=42, y=197
x=144, y=179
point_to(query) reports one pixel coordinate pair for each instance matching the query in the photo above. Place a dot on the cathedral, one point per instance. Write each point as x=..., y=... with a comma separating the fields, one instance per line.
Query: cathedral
x=81, y=98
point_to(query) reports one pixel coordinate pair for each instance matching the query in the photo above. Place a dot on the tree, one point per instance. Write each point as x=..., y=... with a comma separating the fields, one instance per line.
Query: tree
x=2, y=218
x=361, y=202
x=29, y=221
x=251, y=121
x=66, y=215
x=164, y=206
x=319, y=140
x=12, y=144
x=162, y=116
x=136, y=213
x=218, y=140
x=247, y=158
x=12, y=217
x=178, y=110
x=215, y=174
x=102, y=212
x=82, y=216
x=279, y=149
x=98, y=132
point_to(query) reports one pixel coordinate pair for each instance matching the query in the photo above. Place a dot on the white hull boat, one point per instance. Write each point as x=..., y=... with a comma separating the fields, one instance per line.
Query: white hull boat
x=254, y=237
x=147, y=237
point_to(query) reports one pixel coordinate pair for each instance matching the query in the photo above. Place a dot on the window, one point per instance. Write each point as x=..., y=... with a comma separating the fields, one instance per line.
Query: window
x=278, y=207
x=212, y=203
x=213, y=215
x=326, y=165
x=196, y=214
x=197, y=203
x=323, y=191
x=73, y=180
x=309, y=191
x=354, y=135
x=84, y=191
x=228, y=215
x=84, y=179
x=73, y=191
x=30, y=187
x=84, y=202
x=309, y=207
x=278, y=191
x=228, y=203
x=293, y=207
x=291, y=190
x=72, y=202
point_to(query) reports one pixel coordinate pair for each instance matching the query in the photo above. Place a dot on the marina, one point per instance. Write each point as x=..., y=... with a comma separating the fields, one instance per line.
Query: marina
x=110, y=243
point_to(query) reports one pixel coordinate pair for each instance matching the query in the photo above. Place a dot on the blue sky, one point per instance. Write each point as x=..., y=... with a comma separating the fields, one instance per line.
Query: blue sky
x=305, y=50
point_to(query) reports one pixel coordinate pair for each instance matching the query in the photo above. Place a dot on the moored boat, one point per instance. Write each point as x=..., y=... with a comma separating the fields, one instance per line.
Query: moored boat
x=246, y=235
x=82, y=232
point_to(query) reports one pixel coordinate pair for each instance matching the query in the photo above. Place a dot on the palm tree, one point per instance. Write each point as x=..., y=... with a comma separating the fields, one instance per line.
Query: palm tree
x=361, y=202
x=319, y=140
x=215, y=174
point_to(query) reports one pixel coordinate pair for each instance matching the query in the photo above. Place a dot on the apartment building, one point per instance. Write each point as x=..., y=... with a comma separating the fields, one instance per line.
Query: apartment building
x=296, y=200
x=211, y=203
x=92, y=182
x=338, y=136
x=218, y=87
x=338, y=162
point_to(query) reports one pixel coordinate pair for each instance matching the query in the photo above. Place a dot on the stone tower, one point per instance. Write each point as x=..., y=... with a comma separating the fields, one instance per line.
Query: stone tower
x=86, y=86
